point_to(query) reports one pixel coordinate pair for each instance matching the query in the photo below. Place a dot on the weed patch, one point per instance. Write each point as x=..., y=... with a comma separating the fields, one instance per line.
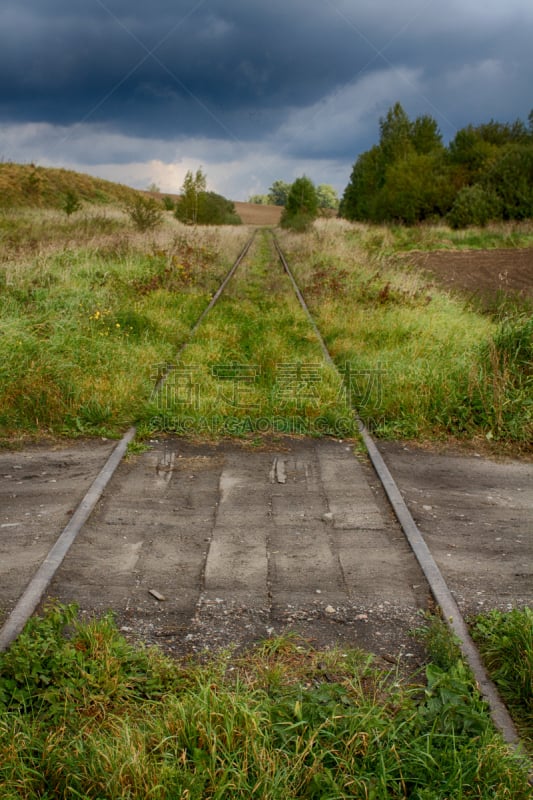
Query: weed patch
x=505, y=640
x=83, y=714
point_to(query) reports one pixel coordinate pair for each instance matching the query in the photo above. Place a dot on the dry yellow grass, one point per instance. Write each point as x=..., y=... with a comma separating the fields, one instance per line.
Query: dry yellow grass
x=31, y=185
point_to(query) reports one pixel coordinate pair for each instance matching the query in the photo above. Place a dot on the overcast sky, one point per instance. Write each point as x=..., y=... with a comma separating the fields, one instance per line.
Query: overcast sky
x=140, y=91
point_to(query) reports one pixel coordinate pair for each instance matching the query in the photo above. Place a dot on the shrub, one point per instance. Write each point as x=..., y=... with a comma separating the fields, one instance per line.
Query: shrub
x=300, y=223
x=145, y=213
x=168, y=203
x=511, y=176
x=209, y=209
x=71, y=202
x=474, y=206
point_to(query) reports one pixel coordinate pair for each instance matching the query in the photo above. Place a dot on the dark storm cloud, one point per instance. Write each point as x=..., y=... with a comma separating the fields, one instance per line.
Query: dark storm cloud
x=112, y=81
x=215, y=67
x=169, y=64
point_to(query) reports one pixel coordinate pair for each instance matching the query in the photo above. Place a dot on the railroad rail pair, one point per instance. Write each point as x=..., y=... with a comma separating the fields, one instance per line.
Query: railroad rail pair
x=35, y=591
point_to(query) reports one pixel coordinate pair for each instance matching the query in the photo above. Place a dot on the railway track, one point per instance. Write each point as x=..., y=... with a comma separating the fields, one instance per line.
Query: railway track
x=198, y=545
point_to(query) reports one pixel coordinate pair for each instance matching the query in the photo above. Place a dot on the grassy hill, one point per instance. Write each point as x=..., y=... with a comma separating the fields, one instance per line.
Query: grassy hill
x=46, y=187
x=28, y=185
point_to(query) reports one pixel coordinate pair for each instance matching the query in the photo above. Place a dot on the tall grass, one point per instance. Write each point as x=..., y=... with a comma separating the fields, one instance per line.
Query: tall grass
x=254, y=365
x=505, y=640
x=83, y=328
x=442, y=369
x=92, y=313
x=84, y=715
x=387, y=240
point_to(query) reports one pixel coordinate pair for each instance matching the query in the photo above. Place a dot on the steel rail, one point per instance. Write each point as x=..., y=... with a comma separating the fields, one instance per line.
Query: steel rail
x=39, y=583
x=438, y=587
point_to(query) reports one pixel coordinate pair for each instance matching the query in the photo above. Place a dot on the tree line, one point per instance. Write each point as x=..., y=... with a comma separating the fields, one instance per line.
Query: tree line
x=484, y=174
x=278, y=194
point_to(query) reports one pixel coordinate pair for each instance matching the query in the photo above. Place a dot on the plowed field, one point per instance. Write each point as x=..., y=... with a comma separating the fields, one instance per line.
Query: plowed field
x=480, y=272
x=255, y=214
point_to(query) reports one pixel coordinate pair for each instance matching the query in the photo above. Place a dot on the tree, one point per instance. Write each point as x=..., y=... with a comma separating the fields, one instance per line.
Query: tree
x=474, y=206
x=410, y=176
x=197, y=206
x=259, y=199
x=395, y=134
x=188, y=206
x=214, y=209
x=145, y=213
x=425, y=135
x=416, y=188
x=359, y=198
x=279, y=193
x=301, y=207
x=71, y=202
x=327, y=196
x=471, y=152
x=511, y=178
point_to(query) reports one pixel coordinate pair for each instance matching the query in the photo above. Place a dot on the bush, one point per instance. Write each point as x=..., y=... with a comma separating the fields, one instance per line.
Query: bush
x=209, y=209
x=511, y=177
x=296, y=222
x=71, y=202
x=474, y=206
x=145, y=213
x=168, y=203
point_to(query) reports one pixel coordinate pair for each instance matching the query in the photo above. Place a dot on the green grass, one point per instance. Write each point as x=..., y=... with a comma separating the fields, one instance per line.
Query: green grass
x=387, y=240
x=434, y=367
x=254, y=365
x=83, y=329
x=505, y=640
x=84, y=714
x=92, y=313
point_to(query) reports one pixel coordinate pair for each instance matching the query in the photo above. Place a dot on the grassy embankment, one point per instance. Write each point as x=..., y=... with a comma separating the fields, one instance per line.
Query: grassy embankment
x=24, y=186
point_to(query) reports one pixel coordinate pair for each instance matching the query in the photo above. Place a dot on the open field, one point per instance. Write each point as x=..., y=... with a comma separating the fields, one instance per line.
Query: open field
x=87, y=296
x=254, y=214
x=481, y=274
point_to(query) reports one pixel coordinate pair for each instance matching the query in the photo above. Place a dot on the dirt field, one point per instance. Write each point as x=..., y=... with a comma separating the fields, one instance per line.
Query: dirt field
x=480, y=273
x=255, y=214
